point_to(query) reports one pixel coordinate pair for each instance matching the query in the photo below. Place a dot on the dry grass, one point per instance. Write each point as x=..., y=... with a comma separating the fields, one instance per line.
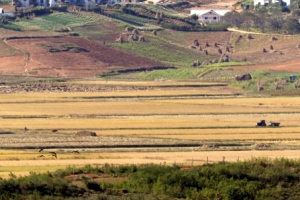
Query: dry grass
x=145, y=83
x=141, y=107
x=178, y=122
x=81, y=96
x=158, y=157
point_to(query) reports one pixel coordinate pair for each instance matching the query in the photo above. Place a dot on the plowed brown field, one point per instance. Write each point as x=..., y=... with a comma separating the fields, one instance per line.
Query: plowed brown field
x=41, y=62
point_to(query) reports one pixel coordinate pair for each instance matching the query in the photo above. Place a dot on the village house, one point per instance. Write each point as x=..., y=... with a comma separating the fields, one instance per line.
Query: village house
x=270, y=2
x=7, y=11
x=209, y=16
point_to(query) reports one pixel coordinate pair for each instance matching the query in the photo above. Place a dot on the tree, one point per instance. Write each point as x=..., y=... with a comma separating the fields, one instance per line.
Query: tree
x=292, y=26
x=233, y=18
x=194, y=17
x=248, y=18
x=276, y=20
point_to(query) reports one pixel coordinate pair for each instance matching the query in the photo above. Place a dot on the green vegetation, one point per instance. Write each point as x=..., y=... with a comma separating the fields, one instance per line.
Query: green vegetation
x=159, y=50
x=52, y=21
x=269, y=80
x=259, y=178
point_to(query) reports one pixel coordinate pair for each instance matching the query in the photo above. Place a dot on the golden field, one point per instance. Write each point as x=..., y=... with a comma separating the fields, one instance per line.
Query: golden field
x=154, y=116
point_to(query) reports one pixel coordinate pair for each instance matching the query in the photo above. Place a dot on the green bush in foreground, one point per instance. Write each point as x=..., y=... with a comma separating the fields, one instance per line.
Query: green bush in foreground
x=259, y=178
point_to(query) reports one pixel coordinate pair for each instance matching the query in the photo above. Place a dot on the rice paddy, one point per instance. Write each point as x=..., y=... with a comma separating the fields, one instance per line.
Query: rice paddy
x=158, y=115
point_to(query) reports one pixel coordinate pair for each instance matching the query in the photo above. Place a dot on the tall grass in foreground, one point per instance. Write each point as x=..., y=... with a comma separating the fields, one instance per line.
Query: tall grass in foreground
x=258, y=178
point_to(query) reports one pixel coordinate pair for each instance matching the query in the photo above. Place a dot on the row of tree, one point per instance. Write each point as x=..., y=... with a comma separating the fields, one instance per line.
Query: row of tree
x=263, y=21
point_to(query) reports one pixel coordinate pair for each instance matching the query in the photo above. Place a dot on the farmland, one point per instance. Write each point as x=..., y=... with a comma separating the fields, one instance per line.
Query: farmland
x=64, y=72
x=143, y=122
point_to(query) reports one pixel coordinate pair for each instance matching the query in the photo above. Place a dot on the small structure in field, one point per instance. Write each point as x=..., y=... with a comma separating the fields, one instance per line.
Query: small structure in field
x=196, y=43
x=243, y=77
x=85, y=133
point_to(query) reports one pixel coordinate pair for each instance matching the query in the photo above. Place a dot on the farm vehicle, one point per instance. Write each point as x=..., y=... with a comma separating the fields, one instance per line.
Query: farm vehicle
x=263, y=123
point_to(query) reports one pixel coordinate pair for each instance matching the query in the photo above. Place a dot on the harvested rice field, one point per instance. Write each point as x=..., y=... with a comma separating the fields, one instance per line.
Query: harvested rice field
x=164, y=123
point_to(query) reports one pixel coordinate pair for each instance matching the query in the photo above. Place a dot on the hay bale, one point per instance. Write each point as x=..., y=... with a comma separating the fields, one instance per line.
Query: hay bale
x=157, y=15
x=206, y=44
x=273, y=38
x=85, y=133
x=264, y=50
x=141, y=39
x=243, y=77
x=196, y=43
x=134, y=31
x=120, y=40
x=6, y=132
x=135, y=37
x=297, y=84
x=227, y=49
x=271, y=47
x=195, y=63
x=161, y=15
x=154, y=32
x=224, y=58
x=130, y=38
x=214, y=60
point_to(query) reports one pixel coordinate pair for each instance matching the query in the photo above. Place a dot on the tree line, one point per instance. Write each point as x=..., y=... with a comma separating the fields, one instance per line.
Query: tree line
x=277, y=18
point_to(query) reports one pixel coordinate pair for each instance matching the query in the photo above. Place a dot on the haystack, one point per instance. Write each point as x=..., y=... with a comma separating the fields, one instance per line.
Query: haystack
x=142, y=39
x=227, y=49
x=243, y=77
x=134, y=31
x=120, y=40
x=135, y=37
x=214, y=60
x=273, y=38
x=224, y=58
x=130, y=38
x=196, y=43
x=157, y=15
x=161, y=15
x=206, y=44
x=85, y=133
x=195, y=63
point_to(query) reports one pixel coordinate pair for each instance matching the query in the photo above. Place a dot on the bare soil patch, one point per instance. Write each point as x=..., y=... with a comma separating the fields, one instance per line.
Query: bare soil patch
x=290, y=66
x=96, y=59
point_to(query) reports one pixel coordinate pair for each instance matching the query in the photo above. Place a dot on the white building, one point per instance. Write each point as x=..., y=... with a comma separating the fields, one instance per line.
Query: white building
x=209, y=16
x=4, y=13
x=270, y=2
